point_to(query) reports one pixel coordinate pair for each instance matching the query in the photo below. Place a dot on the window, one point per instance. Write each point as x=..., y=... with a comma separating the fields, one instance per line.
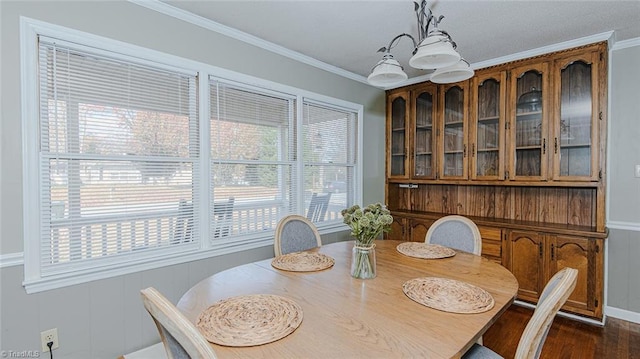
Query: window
x=329, y=150
x=132, y=163
x=252, y=159
x=118, y=157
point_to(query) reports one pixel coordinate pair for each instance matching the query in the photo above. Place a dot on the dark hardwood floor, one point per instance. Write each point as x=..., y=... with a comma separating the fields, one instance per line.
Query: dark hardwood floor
x=567, y=339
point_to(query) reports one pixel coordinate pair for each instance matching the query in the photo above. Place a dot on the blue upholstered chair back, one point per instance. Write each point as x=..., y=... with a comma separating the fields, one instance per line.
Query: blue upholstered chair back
x=456, y=232
x=294, y=234
x=173, y=346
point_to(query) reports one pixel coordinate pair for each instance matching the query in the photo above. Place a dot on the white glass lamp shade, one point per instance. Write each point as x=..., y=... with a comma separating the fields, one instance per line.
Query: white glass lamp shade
x=434, y=52
x=458, y=72
x=387, y=72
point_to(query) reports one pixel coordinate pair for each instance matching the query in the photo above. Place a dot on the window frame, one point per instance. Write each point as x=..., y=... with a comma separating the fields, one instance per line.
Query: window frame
x=30, y=29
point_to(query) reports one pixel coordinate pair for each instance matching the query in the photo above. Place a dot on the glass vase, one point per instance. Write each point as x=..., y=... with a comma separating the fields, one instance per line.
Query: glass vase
x=363, y=261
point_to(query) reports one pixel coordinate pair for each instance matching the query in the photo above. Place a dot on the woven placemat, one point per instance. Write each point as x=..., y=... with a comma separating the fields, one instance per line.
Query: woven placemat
x=448, y=295
x=249, y=320
x=424, y=250
x=303, y=262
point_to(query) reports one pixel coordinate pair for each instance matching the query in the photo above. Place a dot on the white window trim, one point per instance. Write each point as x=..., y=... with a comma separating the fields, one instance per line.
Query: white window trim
x=33, y=282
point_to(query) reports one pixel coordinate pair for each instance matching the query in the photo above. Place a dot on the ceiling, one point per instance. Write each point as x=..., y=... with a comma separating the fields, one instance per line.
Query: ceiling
x=347, y=34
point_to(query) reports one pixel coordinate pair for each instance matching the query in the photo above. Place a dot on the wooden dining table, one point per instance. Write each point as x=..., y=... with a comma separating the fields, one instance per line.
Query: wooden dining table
x=345, y=317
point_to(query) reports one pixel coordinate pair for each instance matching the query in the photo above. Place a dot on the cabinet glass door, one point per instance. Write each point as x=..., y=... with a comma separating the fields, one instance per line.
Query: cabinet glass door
x=398, y=135
x=487, y=129
x=574, y=148
x=454, y=148
x=424, y=133
x=528, y=129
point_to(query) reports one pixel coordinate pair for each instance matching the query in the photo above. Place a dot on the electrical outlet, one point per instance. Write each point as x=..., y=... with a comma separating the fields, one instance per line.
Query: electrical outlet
x=47, y=336
x=638, y=171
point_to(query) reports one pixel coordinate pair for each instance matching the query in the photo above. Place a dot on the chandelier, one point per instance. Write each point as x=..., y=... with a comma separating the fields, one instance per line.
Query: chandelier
x=434, y=50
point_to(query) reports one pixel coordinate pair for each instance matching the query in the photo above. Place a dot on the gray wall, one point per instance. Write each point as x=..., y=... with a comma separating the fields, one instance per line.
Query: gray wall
x=105, y=318
x=623, y=244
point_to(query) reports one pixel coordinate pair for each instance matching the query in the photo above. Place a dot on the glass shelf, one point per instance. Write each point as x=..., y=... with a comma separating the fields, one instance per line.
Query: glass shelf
x=492, y=119
x=525, y=116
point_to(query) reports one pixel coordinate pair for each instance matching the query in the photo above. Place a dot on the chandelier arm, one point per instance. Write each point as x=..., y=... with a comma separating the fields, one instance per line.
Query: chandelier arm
x=421, y=13
x=415, y=45
x=420, y=21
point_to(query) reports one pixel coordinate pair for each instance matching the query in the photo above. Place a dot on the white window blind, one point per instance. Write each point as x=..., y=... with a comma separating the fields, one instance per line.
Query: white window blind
x=119, y=154
x=253, y=173
x=329, y=136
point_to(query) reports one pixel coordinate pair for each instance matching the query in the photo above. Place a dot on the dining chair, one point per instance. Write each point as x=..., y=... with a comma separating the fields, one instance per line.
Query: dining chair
x=223, y=217
x=295, y=233
x=183, y=229
x=181, y=339
x=456, y=232
x=318, y=207
x=554, y=295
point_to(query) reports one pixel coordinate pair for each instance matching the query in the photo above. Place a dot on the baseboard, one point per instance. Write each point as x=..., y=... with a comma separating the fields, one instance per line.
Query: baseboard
x=155, y=351
x=565, y=314
x=623, y=314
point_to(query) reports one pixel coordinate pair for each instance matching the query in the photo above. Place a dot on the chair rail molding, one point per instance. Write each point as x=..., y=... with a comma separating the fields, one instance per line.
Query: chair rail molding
x=11, y=259
x=628, y=226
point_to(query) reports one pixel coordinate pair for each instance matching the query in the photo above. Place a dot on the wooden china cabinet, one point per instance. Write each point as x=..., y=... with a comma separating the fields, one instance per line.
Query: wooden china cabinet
x=520, y=149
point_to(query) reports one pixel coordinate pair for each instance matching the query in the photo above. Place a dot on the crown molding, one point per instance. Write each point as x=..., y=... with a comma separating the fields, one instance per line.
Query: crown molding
x=605, y=36
x=619, y=45
x=208, y=24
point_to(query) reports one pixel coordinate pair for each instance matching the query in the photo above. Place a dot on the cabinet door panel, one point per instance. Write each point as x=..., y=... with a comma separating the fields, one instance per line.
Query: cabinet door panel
x=418, y=229
x=453, y=131
x=487, y=126
x=577, y=253
x=529, y=106
x=424, y=132
x=397, y=134
x=397, y=229
x=525, y=261
x=574, y=131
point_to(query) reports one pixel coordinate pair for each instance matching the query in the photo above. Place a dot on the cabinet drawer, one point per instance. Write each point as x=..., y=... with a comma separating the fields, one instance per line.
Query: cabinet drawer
x=490, y=233
x=491, y=248
x=491, y=241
